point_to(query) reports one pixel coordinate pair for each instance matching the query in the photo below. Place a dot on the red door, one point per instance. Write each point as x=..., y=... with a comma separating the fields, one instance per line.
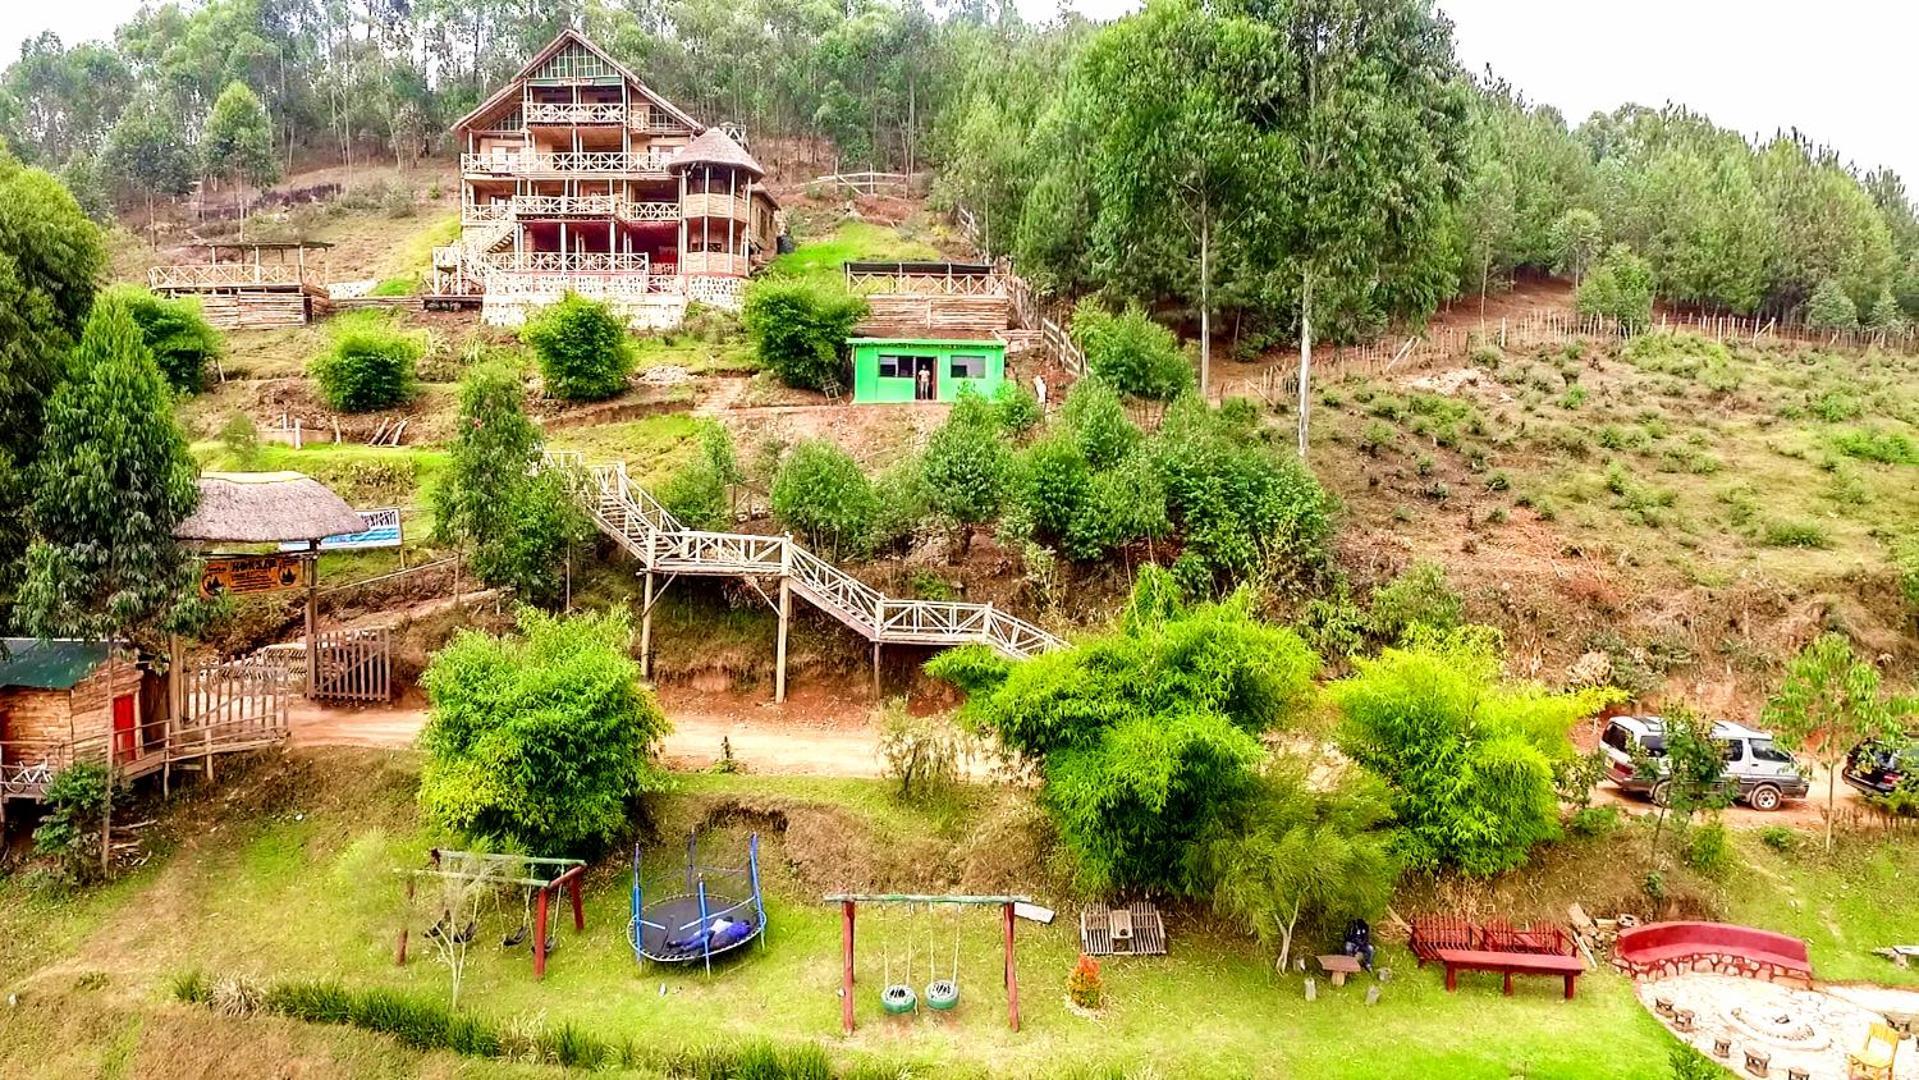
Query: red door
x=125, y=739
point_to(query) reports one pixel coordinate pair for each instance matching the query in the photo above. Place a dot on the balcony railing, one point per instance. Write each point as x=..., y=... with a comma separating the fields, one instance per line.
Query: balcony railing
x=476, y=213
x=611, y=112
x=548, y=287
x=715, y=204
x=193, y=276
x=594, y=262
x=567, y=163
x=536, y=206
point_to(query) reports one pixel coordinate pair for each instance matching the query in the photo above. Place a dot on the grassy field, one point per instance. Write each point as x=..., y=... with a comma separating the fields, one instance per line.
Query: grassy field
x=296, y=881
x=820, y=258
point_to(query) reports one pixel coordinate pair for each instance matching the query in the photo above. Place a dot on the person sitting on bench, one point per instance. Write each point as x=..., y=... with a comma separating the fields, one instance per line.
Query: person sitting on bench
x=1359, y=943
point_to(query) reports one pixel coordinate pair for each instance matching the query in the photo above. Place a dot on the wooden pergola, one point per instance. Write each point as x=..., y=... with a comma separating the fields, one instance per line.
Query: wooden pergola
x=247, y=266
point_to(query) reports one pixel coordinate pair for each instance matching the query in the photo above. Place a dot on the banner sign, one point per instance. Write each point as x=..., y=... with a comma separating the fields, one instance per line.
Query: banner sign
x=223, y=574
x=382, y=531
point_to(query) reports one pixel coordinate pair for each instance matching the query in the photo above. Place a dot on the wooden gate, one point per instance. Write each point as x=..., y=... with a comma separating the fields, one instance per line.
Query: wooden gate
x=352, y=665
x=230, y=705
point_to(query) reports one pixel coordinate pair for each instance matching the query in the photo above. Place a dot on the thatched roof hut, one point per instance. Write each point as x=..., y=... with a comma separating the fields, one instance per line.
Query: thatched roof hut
x=269, y=507
x=714, y=147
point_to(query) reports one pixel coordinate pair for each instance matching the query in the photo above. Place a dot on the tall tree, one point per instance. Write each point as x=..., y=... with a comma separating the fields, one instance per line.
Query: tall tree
x=237, y=141
x=147, y=151
x=114, y=479
x=50, y=259
x=1828, y=703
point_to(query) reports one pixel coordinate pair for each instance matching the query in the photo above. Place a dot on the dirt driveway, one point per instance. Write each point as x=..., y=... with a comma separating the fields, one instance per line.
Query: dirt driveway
x=1807, y=813
x=813, y=734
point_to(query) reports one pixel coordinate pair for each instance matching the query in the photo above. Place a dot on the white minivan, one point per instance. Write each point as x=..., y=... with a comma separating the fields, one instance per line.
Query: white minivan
x=1760, y=774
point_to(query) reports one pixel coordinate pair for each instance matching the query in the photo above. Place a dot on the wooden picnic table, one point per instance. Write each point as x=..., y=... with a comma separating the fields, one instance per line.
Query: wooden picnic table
x=1339, y=965
x=1510, y=964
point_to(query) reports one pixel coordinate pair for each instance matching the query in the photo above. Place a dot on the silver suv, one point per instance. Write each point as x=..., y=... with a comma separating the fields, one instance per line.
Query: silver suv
x=1759, y=774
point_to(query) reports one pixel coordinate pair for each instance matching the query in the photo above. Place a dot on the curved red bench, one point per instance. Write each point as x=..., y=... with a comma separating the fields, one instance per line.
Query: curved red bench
x=1657, y=950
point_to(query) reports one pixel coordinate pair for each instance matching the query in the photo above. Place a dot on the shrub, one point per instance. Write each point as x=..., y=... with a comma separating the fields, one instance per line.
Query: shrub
x=1780, y=839
x=368, y=366
x=1594, y=822
x=1468, y=757
x=1873, y=444
x=1419, y=596
x=506, y=712
x=69, y=831
x=923, y=753
x=1146, y=736
x=700, y=494
x=1131, y=352
x=1084, y=985
x=800, y=328
x=240, y=439
x=1799, y=534
x=1689, y=1064
x=1709, y=849
x=1905, y=561
x=1097, y=420
x=582, y=348
x=1620, y=288
x=820, y=493
x=191, y=987
x=1831, y=308
x=1015, y=409
x=966, y=467
x=181, y=341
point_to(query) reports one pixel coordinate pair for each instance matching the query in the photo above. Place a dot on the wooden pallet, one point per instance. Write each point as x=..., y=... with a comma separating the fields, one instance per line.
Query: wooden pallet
x=1133, y=930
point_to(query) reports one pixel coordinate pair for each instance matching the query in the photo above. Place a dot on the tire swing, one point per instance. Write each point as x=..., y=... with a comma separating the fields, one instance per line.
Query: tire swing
x=898, y=998
x=943, y=994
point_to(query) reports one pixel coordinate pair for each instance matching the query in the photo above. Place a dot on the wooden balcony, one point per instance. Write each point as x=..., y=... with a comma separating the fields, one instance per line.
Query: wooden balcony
x=715, y=205
x=599, y=206
x=569, y=262
x=649, y=163
x=567, y=114
x=547, y=287
x=208, y=277
x=477, y=213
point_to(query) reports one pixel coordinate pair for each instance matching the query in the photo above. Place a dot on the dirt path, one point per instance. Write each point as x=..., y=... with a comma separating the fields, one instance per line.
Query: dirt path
x=1807, y=813
x=813, y=734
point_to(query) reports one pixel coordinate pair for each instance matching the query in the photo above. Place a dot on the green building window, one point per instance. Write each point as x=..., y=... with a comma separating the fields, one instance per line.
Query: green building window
x=967, y=367
x=896, y=367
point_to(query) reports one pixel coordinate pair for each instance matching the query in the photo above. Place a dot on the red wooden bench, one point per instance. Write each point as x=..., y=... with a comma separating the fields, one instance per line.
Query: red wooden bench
x=1509, y=964
x=1431, y=933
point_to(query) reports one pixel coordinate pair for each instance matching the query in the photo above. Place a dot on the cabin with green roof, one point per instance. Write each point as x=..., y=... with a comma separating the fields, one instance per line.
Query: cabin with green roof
x=887, y=370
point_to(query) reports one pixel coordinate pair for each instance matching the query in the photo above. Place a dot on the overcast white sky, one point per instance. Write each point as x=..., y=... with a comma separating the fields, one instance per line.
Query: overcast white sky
x=1839, y=70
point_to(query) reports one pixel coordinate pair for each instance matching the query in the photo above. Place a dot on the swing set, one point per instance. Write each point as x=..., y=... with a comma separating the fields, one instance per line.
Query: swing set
x=474, y=873
x=942, y=995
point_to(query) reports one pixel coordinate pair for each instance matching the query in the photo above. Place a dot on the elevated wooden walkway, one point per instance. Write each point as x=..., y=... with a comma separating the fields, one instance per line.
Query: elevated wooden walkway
x=644, y=528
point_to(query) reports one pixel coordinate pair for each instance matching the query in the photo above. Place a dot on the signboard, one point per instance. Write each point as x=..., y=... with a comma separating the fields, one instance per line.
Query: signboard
x=224, y=574
x=382, y=531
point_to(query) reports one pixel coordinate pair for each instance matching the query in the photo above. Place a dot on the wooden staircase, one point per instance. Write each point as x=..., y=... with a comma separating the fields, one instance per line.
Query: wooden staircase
x=644, y=528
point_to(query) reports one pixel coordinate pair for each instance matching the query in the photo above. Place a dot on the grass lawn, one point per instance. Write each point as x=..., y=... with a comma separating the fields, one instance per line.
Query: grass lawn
x=1845, y=904
x=296, y=882
x=820, y=260
x=652, y=447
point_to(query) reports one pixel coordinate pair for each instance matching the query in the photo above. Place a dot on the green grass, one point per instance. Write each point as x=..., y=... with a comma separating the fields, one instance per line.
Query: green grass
x=1845, y=904
x=302, y=888
x=822, y=259
x=414, y=256
x=404, y=285
x=698, y=357
x=651, y=447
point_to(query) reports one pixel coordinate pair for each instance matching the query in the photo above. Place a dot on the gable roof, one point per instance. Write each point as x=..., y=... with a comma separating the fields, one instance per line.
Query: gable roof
x=570, y=36
x=714, y=147
x=58, y=664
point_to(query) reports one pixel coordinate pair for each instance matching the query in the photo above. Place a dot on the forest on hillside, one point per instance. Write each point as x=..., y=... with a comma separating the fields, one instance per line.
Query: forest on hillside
x=1249, y=166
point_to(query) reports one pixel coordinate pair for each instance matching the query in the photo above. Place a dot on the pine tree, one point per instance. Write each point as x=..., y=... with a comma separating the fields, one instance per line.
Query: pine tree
x=113, y=480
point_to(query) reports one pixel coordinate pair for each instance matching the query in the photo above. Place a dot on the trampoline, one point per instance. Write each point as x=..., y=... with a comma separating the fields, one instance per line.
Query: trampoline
x=701, y=922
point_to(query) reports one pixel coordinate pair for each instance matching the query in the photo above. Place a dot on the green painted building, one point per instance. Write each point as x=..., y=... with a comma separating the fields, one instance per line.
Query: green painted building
x=924, y=369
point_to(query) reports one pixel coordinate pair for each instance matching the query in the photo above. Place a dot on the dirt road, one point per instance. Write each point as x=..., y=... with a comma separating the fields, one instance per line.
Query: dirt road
x=813, y=734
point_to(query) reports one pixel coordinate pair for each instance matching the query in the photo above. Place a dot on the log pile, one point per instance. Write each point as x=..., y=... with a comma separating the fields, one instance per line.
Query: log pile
x=254, y=310
x=959, y=318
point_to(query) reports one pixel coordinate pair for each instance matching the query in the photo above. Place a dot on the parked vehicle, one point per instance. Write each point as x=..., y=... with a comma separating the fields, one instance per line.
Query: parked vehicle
x=1758, y=773
x=1877, y=768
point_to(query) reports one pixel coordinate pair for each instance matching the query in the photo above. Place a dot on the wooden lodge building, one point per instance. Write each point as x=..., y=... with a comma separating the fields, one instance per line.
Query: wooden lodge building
x=575, y=176
x=250, y=286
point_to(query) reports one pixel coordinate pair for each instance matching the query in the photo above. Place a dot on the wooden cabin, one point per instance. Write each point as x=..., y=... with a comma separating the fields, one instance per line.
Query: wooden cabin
x=576, y=176
x=244, y=286
x=947, y=300
x=908, y=369
x=55, y=709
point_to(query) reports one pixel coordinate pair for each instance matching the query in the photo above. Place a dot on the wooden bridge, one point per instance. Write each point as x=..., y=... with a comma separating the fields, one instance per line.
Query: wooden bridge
x=644, y=528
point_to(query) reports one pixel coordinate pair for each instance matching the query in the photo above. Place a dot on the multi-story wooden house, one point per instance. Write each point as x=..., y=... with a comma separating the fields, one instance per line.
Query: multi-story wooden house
x=575, y=176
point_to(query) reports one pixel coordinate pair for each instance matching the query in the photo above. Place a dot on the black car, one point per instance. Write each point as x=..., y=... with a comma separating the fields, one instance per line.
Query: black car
x=1877, y=768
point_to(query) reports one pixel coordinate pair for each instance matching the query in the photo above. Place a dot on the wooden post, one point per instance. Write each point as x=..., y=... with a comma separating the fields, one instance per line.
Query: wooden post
x=539, y=936
x=846, y=966
x=1012, y=974
x=786, y=615
x=175, y=705
x=313, y=616
x=646, y=622
x=876, y=669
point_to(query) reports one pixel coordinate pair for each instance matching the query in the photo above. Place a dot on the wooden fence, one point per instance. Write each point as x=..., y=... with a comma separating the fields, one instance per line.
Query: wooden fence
x=352, y=665
x=868, y=183
x=1029, y=310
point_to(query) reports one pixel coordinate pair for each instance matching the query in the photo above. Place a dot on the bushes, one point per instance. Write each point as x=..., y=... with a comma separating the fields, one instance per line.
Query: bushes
x=542, y=740
x=1468, y=757
x=1709, y=848
x=820, y=493
x=369, y=365
x=923, y=753
x=180, y=339
x=1147, y=736
x=1619, y=288
x=1873, y=444
x=1418, y=597
x=1016, y=410
x=69, y=830
x=1132, y=352
x=966, y=467
x=700, y=493
x=582, y=348
x=800, y=327
x=1830, y=308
